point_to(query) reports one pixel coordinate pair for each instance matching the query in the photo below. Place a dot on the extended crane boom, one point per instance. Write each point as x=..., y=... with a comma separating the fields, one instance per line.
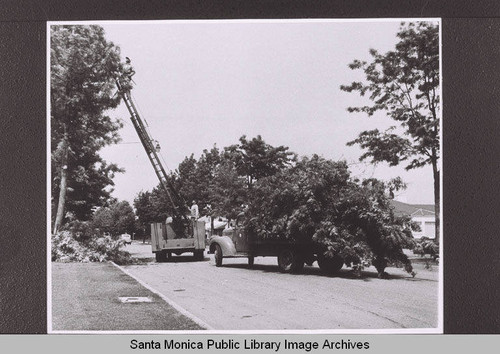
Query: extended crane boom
x=178, y=204
x=179, y=234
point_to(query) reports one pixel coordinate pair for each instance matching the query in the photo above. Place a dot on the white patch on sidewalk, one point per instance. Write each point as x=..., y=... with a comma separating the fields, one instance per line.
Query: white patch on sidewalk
x=133, y=299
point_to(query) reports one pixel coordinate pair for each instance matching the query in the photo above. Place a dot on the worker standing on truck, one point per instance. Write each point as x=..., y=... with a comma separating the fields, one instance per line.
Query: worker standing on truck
x=194, y=210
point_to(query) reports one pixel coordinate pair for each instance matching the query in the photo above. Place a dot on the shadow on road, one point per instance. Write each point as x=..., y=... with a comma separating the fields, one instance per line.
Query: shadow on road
x=366, y=275
x=174, y=259
x=188, y=258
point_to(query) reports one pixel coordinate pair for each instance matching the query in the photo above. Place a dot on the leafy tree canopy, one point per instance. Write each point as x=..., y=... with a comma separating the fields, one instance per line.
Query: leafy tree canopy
x=405, y=84
x=256, y=159
x=219, y=180
x=116, y=219
x=84, y=66
x=152, y=207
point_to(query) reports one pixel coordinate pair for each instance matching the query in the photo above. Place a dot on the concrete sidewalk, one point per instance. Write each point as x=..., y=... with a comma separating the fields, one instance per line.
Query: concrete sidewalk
x=86, y=297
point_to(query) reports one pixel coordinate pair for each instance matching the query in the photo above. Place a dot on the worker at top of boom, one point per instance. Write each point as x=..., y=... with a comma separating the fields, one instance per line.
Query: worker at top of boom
x=127, y=73
x=128, y=70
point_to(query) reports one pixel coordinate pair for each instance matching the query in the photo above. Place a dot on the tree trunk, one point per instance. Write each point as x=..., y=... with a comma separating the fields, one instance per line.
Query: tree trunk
x=437, y=198
x=62, y=187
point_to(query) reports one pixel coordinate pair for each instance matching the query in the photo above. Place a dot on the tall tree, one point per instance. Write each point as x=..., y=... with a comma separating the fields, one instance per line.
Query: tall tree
x=152, y=207
x=116, y=219
x=241, y=166
x=219, y=180
x=404, y=83
x=228, y=191
x=145, y=213
x=84, y=66
x=207, y=166
x=195, y=177
x=256, y=159
x=188, y=179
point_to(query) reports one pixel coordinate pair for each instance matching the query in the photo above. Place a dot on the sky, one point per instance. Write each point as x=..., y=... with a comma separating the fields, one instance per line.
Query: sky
x=200, y=83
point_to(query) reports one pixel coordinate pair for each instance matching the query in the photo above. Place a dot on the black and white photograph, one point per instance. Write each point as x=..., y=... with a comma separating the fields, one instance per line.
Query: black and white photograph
x=245, y=176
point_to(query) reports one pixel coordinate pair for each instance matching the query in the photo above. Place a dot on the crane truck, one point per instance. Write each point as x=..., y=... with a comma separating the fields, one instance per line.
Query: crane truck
x=179, y=233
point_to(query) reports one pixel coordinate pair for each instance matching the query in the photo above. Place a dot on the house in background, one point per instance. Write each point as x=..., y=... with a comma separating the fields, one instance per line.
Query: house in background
x=421, y=214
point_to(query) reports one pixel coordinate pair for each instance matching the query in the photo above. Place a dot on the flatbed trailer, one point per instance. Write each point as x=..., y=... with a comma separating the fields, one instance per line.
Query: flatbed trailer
x=236, y=243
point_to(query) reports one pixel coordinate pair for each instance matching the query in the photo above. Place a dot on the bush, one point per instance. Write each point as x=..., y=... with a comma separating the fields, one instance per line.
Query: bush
x=68, y=247
x=425, y=246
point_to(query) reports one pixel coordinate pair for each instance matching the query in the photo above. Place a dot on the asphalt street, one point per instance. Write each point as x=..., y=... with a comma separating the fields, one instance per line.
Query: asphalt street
x=234, y=297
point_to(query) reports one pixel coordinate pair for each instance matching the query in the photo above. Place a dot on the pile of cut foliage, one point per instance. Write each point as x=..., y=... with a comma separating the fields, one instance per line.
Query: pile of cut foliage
x=79, y=242
x=317, y=200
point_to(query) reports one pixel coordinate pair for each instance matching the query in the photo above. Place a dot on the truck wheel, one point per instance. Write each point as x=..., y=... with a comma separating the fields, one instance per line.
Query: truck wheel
x=251, y=260
x=330, y=265
x=218, y=255
x=161, y=256
x=290, y=262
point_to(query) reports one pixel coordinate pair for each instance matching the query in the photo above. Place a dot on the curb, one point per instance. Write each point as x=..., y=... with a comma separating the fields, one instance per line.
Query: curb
x=167, y=300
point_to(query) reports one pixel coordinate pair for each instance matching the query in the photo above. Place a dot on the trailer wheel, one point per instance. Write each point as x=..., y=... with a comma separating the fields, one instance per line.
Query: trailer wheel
x=218, y=255
x=330, y=265
x=251, y=261
x=161, y=256
x=290, y=261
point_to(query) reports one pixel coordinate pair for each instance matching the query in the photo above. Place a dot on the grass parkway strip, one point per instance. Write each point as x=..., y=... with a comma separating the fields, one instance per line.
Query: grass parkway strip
x=101, y=297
